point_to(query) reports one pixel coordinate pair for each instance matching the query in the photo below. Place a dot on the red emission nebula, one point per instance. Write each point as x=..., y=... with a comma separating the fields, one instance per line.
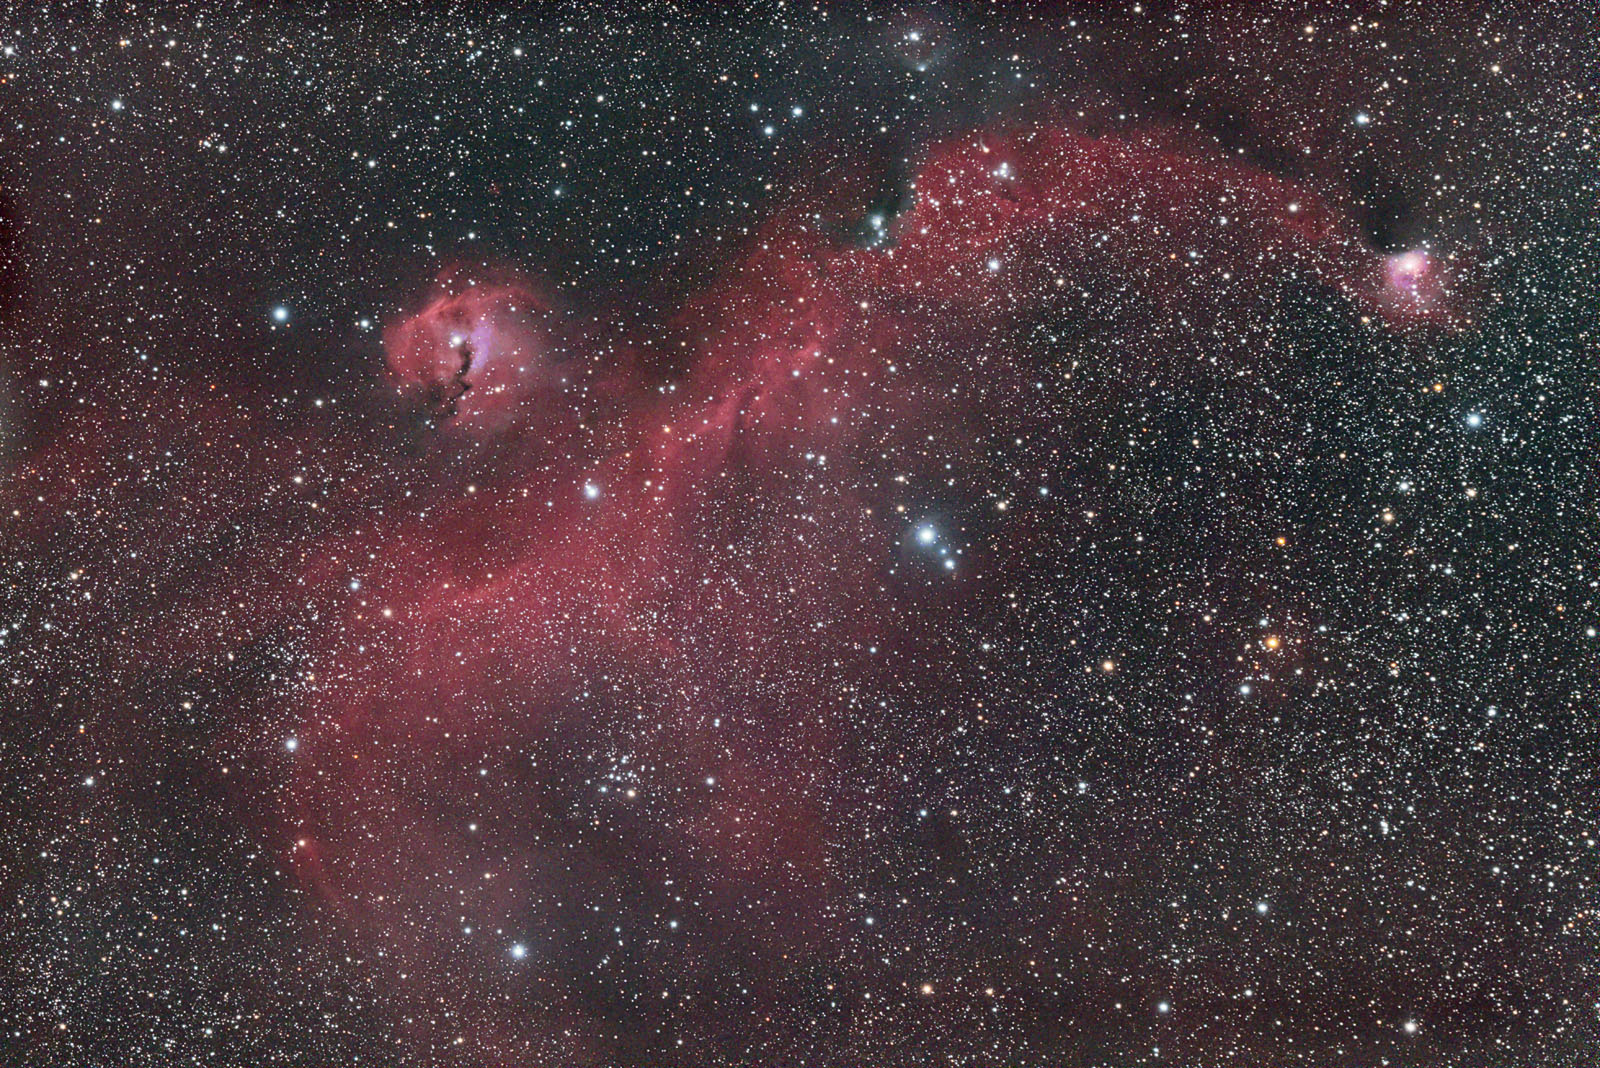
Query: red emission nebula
x=636, y=540
x=584, y=588
x=822, y=535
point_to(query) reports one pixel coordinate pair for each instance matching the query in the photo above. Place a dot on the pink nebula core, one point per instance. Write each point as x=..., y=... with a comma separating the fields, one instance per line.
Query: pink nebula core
x=474, y=353
x=1410, y=272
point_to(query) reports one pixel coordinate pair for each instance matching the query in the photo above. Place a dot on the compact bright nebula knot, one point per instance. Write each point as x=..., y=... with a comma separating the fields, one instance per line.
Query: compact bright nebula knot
x=474, y=354
x=1411, y=272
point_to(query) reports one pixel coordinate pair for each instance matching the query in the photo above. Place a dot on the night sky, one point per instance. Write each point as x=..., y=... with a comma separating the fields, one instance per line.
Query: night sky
x=794, y=535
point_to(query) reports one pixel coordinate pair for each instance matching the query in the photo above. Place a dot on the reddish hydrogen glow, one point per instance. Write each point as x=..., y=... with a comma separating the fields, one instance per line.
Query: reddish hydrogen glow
x=504, y=603
x=1419, y=288
x=475, y=352
x=1410, y=272
x=703, y=577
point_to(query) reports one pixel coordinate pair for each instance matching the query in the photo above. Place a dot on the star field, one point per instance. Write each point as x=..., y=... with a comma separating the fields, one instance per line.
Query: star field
x=1053, y=535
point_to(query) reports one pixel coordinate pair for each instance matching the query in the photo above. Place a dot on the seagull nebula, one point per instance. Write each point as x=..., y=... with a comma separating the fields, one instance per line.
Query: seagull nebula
x=1055, y=535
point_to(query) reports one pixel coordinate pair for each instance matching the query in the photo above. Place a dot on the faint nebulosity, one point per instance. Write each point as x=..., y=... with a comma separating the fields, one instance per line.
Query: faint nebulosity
x=840, y=535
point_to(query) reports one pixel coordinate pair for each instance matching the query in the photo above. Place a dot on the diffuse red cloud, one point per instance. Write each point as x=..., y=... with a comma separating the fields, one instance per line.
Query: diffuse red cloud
x=697, y=594
x=483, y=355
x=693, y=599
x=1004, y=226
x=813, y=344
